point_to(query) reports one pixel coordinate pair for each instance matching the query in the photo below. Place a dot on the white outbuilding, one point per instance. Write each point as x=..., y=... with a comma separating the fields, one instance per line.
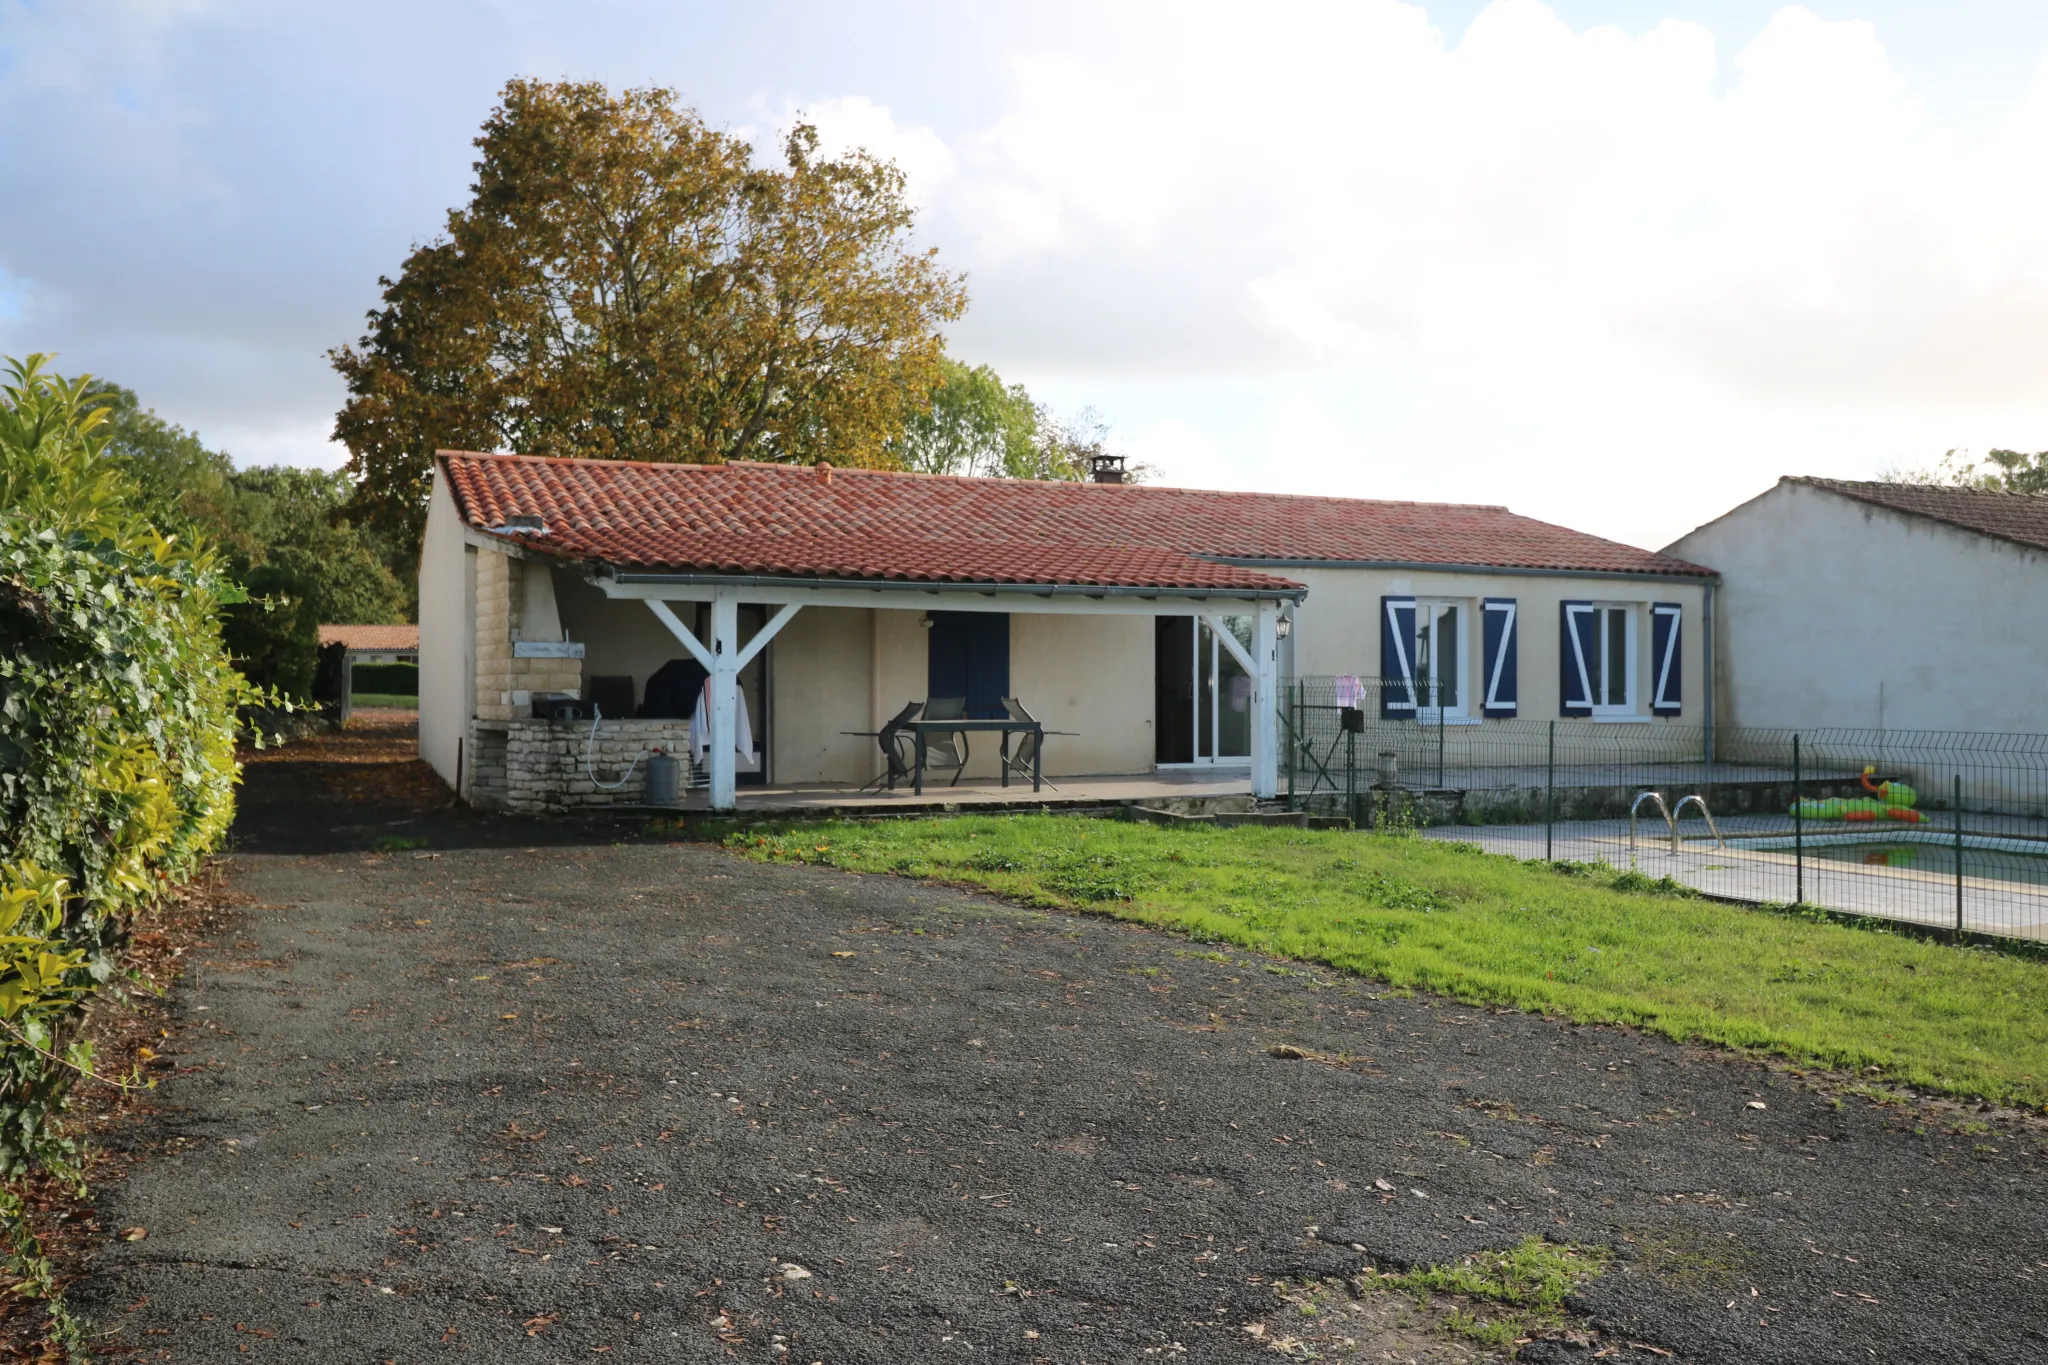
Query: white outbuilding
x=1888, y=605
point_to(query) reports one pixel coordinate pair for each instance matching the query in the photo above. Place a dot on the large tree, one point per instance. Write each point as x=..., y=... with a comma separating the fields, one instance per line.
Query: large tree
x=627, y=281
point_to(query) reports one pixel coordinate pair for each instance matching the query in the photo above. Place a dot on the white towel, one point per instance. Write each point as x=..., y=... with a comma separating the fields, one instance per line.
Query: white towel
x=700, y=725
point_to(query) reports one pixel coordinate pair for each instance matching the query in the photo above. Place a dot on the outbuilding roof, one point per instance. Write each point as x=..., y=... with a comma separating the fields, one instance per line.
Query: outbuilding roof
x=372, y=639
x=2021, y=518
x=816, y=522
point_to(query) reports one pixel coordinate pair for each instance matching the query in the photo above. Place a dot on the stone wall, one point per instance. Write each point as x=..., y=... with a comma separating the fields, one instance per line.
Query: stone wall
x=515, y=602
x=545, y=769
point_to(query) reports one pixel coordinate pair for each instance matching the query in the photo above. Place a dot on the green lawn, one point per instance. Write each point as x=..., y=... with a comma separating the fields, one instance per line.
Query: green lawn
x=403, y=702
x=1590, y=945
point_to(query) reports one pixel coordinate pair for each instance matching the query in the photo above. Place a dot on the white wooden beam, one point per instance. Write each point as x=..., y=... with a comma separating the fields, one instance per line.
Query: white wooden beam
x=1231, y=643
x=919, y=599
x=680, y=631
x=1266, y=702
x=767, y=632
x=723, y=751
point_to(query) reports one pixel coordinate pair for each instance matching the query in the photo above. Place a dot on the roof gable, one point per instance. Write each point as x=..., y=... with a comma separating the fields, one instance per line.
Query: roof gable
x=748, y=518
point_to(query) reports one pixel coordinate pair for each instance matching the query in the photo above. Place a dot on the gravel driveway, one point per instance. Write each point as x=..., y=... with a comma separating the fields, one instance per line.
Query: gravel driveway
x=530, y=1094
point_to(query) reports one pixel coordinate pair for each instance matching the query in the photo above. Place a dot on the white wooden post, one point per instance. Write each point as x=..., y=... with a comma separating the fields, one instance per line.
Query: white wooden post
x=725, y=653
x=1266, y=702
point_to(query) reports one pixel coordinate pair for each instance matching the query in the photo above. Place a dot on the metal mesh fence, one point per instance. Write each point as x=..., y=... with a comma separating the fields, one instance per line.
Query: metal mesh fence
x=1946, y=829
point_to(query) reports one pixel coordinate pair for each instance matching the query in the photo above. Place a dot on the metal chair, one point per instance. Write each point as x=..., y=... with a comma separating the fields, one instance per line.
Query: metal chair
x=892, y=738
x=946, y=750
x=1024, y=761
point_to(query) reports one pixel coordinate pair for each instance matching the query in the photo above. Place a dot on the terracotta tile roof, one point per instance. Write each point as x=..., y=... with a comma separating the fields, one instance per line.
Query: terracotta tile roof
x=371, y=639
x=870, y=524
x=2018, y=517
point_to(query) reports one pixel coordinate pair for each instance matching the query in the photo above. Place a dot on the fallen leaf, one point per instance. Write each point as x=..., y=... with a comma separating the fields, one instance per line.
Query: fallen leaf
x=1758, y=1104
x=1381, y=1185
x=134, y=1234
x=842, y=954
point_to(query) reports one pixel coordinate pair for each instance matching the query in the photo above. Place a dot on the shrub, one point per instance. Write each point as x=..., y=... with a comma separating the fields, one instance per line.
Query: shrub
x=117, y=744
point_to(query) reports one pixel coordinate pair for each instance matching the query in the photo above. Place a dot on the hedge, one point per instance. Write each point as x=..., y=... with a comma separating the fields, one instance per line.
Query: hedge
x=117, y=775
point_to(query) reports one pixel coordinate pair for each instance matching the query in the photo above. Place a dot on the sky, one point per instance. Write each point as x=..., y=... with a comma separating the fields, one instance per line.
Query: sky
x=1618, y=264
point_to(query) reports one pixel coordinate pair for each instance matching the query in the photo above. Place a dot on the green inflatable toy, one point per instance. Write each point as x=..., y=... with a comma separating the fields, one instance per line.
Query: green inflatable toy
x=1888, y=801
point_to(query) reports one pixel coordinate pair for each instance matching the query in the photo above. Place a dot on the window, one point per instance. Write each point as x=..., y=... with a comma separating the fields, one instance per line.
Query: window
x=1614, y=678
x=1440, y=659
x=1598, y=656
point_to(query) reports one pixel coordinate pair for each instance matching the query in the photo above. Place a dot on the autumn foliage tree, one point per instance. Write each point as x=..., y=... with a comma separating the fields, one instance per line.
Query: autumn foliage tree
x=627, y=282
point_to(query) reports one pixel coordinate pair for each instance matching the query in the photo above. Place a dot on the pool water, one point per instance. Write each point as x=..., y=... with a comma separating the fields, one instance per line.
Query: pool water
x=1939, y=859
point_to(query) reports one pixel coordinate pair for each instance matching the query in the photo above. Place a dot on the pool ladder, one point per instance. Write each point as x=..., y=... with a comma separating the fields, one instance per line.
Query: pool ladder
x=1670, y=819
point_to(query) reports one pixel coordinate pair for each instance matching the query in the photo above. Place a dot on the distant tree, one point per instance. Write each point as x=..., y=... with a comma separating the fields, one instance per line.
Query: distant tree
x=2015, y=472
x=975, y=425
x=183, y=487
x=2006, y=471
x=627, y=282
x=303, y=564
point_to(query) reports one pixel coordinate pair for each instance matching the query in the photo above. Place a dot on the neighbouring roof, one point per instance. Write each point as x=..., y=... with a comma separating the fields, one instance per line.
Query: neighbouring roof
x=2021, y=518
x=748, y=518
x=371, y=639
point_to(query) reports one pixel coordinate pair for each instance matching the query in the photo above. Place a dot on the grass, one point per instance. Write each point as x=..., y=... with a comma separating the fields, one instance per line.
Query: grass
x=1515, y=1293
x=397, y=699
x=1578, y=941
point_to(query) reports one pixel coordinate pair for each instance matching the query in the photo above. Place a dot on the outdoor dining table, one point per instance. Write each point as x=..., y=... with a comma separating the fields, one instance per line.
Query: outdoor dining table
x=1006, y=726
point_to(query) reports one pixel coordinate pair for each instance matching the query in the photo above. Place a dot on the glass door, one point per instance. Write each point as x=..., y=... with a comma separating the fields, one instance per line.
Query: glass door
x=1203, y=713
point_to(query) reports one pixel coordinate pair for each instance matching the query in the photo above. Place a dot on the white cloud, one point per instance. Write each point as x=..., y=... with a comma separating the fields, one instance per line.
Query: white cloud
x=1623, y=281
x=855, y=121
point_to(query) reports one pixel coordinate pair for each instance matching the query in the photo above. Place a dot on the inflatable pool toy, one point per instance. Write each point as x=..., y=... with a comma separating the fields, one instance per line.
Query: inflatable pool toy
x=1887, y=801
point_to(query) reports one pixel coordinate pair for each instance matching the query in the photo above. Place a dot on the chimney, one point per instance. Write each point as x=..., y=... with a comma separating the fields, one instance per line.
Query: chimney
x=824, y=471
x=1106, y=468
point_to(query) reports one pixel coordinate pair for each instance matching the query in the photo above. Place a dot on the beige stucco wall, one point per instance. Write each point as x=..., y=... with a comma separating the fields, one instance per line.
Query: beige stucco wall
x=447, y=634
x=1839, y=613
x=1091, y=675
x=1337, y=629
x=822, y=682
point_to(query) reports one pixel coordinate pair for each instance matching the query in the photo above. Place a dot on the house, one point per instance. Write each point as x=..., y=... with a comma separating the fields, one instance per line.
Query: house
x=1154, y=626
x=1886, y=605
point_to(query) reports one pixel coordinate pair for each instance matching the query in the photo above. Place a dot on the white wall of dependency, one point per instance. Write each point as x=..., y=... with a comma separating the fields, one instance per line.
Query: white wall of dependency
x=1835, y=612
x=447, y=634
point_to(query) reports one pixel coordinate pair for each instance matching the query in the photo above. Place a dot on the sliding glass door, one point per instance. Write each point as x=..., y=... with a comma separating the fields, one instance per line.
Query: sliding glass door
x=1203, y=707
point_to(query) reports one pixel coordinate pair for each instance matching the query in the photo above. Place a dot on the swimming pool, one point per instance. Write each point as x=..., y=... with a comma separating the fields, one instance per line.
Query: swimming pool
x=1931, y=851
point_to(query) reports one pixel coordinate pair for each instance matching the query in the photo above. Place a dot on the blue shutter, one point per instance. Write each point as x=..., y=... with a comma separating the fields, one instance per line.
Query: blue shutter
x=1575, y=651
x=1667, y=659
x=1498, y=633
x=1397, y=656
x=969, y=656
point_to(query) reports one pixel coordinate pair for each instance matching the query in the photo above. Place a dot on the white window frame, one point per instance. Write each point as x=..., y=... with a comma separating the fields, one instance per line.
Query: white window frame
x=1631, y=615
x=1426, y=609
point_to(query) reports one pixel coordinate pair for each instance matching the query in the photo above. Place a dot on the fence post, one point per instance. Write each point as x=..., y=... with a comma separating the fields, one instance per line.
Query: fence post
x=1550, y=794
x=1351, y=776
x=1798, y=829
x=1439, y=741
x=1293, y=737
x=1958, y=808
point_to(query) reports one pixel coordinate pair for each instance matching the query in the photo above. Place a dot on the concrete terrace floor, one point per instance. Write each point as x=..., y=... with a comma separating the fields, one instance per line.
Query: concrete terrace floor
x=536, y=1091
